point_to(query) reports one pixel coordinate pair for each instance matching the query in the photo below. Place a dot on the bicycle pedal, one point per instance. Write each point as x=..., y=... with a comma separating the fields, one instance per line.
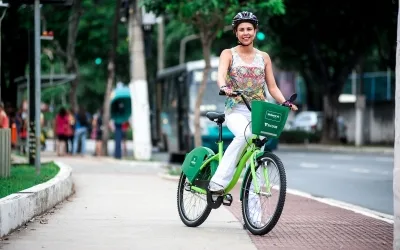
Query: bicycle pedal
x=227, y=201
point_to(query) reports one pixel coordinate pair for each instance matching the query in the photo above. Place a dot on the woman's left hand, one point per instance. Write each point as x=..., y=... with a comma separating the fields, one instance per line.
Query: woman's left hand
x=293, y=107
x=290, y=105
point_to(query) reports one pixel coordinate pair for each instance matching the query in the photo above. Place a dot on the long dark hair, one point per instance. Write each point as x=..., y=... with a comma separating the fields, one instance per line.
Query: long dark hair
x=62, y=112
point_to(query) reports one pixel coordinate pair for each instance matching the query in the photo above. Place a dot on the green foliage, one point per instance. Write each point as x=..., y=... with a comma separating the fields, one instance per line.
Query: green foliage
x=325, y=40
x=205, y=12
x=93, y=42
x=24, y=176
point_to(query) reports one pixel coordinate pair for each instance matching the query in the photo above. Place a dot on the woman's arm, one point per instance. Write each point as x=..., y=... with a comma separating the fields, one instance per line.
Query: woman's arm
x=224, y=63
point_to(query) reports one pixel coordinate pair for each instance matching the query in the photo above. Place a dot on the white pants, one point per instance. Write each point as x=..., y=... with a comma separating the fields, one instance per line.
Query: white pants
x=237, y=121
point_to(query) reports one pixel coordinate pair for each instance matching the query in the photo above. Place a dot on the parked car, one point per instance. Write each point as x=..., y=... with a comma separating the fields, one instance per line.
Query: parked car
x=310, y=121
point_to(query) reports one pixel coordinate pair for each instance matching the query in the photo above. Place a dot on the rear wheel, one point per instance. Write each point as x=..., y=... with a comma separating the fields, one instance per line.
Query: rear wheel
x=192, y=206
x=262, y=211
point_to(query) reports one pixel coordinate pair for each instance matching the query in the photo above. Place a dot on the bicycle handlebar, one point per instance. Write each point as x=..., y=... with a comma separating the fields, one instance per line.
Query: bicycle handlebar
x=237, y=93
x=287, y=103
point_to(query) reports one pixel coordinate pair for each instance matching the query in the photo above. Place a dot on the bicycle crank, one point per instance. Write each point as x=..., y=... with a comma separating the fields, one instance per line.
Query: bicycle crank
x=214, y=200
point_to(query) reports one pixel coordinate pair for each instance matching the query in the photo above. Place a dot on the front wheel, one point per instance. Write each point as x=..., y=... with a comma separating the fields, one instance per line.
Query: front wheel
x=192, y=206
x=262, y=210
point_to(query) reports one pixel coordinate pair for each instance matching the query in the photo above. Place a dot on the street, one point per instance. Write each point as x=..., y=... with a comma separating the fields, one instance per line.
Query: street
x=361, y=179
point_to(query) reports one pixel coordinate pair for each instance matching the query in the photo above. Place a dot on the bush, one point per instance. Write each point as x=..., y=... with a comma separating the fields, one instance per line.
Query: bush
x=298, y=136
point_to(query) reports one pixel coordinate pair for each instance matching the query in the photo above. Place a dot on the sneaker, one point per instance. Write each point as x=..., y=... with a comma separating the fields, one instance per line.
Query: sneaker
x=215, y=187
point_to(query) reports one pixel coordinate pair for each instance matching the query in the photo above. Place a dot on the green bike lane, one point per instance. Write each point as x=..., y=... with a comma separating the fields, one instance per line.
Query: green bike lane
x=126, y=205
x=123, y=206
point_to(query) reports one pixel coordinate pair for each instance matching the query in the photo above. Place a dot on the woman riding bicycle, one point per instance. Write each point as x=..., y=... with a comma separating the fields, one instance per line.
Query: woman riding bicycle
x=249, y=69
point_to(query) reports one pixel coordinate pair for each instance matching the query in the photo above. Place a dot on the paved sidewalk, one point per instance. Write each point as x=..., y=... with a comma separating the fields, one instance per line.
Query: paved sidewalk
x=309, y=224
x=124, y=206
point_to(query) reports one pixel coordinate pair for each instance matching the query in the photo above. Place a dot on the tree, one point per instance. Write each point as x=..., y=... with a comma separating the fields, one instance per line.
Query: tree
x=324, y=41
x=208, y=18
x=69, y=53
x=111, y=76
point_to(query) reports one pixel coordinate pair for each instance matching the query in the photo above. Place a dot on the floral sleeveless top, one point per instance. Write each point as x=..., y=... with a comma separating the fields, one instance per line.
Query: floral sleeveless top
x=248, y=77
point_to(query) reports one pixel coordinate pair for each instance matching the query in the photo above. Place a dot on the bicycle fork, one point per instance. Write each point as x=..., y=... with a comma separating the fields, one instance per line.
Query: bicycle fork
x=255, y=178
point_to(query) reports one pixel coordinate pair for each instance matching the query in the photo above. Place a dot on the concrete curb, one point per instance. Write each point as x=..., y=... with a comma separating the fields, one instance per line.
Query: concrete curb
x=17, y=209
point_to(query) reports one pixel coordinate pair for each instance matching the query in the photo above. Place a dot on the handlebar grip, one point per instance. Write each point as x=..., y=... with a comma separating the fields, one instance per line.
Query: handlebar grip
x=234, y=93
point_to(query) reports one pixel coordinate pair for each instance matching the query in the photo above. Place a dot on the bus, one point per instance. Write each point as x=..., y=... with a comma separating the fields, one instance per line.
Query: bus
x=174, y=102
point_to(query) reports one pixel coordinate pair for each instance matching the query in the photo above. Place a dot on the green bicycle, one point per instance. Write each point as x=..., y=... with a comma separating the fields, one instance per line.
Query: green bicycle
x=201, y=163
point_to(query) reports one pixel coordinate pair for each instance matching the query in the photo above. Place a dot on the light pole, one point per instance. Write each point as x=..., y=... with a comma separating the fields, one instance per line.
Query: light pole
x=396, y=167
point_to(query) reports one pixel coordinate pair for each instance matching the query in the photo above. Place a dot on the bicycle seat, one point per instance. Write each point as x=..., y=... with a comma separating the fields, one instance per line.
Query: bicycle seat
x=216, y=117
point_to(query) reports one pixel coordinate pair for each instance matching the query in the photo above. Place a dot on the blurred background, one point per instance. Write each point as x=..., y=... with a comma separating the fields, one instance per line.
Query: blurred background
x=338, y=56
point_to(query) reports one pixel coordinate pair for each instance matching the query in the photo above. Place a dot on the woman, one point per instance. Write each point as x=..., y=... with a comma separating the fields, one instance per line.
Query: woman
x=62, y=124
x=249, y=69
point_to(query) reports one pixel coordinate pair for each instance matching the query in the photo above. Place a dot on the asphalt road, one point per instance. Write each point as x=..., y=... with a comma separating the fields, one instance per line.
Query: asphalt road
x=361, y=179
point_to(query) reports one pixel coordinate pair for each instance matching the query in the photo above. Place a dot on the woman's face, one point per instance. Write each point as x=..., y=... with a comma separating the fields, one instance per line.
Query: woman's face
x=245, y=33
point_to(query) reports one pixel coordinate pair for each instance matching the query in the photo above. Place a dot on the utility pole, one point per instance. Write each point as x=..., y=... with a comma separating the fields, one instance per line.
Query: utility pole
x=160, y=44
x=34, y=91
x=360, y=106
x=142, y=147
x=396, y=169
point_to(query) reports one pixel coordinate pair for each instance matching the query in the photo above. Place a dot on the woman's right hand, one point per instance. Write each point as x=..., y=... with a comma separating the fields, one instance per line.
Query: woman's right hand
x=228, y=91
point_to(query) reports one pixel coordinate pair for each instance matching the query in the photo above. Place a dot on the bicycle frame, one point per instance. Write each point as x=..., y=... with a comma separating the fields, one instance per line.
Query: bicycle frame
x=250, y=151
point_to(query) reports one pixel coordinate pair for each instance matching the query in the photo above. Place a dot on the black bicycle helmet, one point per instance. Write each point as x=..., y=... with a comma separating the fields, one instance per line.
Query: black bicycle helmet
x=244, y=16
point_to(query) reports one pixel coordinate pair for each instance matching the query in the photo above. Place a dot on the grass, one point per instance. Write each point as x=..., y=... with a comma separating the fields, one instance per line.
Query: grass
x=24, y=176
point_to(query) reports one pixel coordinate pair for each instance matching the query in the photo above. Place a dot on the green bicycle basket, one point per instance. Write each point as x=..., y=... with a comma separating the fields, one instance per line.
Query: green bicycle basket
x=268, y=119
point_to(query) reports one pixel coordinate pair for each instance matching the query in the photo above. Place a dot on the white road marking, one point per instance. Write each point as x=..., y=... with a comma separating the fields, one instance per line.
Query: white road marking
x=343, y=157
x=360, y=170
x=297, y=155
x=384, y=159
x=308, y=165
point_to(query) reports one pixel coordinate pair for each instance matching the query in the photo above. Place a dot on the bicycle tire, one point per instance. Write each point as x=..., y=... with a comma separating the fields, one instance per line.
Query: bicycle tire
x=281, y=200
x=190, y=223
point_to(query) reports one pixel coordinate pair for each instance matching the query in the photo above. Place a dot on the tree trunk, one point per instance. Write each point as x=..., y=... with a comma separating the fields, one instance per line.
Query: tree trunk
x=329, y=129
x=139, y=90
x=72, y=63
x=206, y=46
x=110, y=78
x=313, y=90
x=396, y=169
